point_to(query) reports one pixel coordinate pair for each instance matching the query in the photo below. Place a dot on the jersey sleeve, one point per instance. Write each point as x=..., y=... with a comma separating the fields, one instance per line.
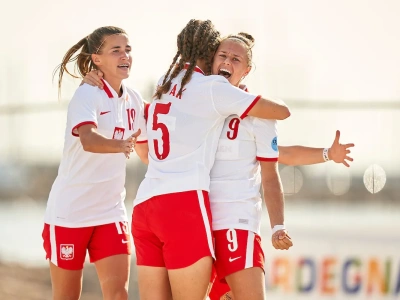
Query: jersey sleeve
x=82, y=109
x=266, y=137
x=230, y=100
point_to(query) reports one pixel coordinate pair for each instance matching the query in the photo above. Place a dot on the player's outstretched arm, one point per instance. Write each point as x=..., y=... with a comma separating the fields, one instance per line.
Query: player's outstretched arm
x=274, y=200
x=301, y=155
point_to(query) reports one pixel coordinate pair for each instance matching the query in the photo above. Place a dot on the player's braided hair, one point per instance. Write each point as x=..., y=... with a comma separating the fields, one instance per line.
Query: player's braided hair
x=198, y=40
x=248, y=42
x=91, y=44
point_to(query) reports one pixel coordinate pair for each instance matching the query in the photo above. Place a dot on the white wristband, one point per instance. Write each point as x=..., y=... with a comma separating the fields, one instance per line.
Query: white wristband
x=277, y=227
x=325, y=154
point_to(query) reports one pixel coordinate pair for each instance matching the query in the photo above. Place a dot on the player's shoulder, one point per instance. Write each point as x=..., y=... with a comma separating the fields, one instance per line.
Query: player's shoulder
x=88, y=90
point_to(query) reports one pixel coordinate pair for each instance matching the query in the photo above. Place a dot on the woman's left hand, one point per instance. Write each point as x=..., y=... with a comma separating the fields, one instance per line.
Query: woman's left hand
x=93, y=78
x=281, y=240
x=338, y=152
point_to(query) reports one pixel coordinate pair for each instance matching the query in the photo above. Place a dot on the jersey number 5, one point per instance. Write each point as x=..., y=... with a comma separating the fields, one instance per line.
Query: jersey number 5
x=163, y=109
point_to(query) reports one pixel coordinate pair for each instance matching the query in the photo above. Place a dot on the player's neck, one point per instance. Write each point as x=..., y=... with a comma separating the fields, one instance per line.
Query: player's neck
x=116, y=84
x=201, y=64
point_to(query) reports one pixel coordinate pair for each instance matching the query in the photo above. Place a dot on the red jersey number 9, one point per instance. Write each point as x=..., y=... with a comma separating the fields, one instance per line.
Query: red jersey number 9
x=234, y=127
x=163, y=109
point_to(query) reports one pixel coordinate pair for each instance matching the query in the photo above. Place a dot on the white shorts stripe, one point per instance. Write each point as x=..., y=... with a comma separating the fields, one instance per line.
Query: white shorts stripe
x=53, y=245
x=206, y=221
x=250, y=250
x=119, y=230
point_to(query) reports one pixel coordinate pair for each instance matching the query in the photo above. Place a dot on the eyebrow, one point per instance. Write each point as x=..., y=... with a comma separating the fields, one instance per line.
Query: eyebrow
x=118, y=47
x=232, y=53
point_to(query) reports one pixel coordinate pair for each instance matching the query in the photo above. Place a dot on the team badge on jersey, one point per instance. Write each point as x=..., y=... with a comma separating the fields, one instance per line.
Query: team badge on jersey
x=66, y=251
x=274, y=144
x=118, y=133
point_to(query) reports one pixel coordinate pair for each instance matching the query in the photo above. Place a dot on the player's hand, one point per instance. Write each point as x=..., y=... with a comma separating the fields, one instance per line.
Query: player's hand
x=129, y=144
x=281, y=240
x=93, y=78
x=338, y=152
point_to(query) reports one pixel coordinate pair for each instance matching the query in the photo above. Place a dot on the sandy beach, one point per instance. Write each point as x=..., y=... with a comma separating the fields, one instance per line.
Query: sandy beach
x=24, y=283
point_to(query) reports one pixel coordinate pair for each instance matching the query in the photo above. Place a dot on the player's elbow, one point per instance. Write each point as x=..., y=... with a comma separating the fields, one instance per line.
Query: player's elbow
x=284, y=113
x=87, y=145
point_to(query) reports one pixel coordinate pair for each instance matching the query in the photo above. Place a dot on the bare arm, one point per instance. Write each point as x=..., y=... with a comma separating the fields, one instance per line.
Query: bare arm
x=300, y=155
x=269, y=109
x=142, y=150
x=274, y=200
x=92, y=141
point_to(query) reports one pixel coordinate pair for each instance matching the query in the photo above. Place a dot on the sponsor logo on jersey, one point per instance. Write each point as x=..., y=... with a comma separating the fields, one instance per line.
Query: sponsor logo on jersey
x=104, y=112
x=274, y=144
x=66, y=251
x=233, y=259
x=118, y=133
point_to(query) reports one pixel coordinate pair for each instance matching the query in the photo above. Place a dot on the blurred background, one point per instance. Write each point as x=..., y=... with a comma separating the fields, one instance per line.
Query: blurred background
x=335, y=63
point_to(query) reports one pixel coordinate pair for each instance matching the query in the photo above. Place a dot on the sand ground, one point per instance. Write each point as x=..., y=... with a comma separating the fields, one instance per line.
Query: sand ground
x=32, y=283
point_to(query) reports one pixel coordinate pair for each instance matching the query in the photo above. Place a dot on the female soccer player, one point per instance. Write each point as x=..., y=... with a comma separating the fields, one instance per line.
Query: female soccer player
x=247, y=156
x=85, y=209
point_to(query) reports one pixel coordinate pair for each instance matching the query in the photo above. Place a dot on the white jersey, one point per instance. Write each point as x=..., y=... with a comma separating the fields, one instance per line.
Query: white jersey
x=90, y=187
x=183, y=133
x=235, y=177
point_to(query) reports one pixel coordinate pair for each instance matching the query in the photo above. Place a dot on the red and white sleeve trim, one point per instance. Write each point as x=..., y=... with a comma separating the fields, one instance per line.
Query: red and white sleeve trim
x=244, y=115
x=272, y=159
x=141, y=142
x=74, y=130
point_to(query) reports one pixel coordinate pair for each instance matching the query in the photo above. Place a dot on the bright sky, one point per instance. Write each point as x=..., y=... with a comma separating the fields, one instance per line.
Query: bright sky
x=309, y=50
x=313, y=49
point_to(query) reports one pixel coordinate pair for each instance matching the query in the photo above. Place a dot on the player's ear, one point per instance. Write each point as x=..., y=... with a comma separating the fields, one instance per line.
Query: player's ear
x=96, y=59
x=248, y=71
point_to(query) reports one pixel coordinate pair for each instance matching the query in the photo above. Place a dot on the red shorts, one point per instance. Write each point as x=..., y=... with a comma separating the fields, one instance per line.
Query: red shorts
x=236, y=250
x=66, y=247
x=173, y=230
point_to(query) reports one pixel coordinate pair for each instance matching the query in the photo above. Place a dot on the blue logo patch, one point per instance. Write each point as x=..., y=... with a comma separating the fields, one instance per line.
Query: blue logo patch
x=274, y=144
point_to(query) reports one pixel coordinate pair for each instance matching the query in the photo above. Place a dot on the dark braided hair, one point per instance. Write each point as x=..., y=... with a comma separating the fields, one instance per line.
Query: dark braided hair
x=245, y=39
x=198, y=40
x=91, y=44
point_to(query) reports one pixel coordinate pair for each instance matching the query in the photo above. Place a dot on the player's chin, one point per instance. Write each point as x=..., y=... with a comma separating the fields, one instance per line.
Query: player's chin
x=124, y=73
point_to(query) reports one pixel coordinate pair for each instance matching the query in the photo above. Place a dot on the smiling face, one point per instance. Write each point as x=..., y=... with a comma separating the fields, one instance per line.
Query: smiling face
x=231, y=61
x=114, y=58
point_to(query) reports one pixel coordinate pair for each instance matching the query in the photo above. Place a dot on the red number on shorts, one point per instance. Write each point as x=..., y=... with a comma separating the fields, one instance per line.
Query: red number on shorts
x=234, y=126
x=131, y=117
x=161, y=108
x=232, y=239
